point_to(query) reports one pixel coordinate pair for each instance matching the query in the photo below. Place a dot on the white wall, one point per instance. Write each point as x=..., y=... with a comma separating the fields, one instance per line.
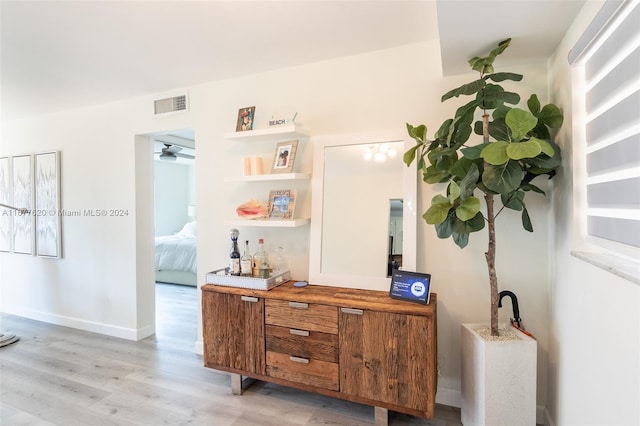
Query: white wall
x=173, y=188
x=594, y=342
x=95, y=286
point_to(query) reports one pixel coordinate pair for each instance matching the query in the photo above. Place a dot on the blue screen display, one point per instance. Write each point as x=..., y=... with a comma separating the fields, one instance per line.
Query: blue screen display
x=411, y=286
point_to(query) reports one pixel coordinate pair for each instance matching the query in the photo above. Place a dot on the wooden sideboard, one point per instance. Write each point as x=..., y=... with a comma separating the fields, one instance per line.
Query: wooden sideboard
x=357, y=345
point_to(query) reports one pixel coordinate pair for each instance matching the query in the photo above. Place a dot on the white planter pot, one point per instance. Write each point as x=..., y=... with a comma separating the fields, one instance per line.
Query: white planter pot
x=498, y=379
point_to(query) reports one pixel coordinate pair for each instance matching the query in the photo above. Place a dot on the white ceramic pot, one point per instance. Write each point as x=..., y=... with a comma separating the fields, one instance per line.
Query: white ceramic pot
x=498, y=379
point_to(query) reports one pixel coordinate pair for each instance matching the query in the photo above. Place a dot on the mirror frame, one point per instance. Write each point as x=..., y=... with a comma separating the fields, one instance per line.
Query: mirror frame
x=409, y=216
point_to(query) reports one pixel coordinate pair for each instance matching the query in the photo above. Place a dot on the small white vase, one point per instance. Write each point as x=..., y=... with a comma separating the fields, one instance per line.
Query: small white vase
x=498, y=379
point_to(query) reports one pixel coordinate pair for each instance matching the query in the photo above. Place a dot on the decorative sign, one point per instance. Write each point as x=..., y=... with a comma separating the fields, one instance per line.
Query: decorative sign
x=281, y=121
x=410, y=286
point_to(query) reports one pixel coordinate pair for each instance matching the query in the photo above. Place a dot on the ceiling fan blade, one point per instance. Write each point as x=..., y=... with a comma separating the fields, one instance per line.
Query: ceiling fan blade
x=189, y=156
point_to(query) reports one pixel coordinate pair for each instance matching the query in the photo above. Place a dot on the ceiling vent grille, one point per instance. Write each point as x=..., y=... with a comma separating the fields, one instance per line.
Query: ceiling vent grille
x=168, y=105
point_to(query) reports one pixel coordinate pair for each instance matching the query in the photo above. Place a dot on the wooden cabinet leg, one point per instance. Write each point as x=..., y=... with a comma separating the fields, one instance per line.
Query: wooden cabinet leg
x=381, y=416
x=236, y=384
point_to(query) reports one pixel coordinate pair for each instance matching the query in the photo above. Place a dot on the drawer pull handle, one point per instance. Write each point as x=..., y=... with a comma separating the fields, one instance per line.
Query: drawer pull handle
x=298, y=359
x=249, y=299
x=299, y=332
x=298, y=305
x=352, y=311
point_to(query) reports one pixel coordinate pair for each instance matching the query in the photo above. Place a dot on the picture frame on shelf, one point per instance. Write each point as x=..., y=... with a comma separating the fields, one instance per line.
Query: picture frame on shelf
x=282, y=204
x=284, y=157
x=246, y=118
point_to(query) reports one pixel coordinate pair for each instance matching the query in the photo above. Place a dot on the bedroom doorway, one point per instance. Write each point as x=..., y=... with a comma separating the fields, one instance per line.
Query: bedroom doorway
x=176, y=296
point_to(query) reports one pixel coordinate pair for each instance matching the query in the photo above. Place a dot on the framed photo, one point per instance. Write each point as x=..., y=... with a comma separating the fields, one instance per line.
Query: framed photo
x=246, y=118
x=23, y=229
x=6, y=215
x=282, y=204
x=47, y=183
x=285, y=156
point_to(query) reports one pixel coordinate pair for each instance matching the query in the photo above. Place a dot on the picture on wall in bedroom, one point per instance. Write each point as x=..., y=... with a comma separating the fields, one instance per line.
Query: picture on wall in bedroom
x=47, y=182
x=22, y=166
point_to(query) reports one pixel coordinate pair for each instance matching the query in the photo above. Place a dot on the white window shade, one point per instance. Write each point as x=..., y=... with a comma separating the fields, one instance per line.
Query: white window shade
x=610, y=57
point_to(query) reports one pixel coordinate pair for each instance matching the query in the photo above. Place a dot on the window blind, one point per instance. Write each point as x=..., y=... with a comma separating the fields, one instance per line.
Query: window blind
x=609, y=53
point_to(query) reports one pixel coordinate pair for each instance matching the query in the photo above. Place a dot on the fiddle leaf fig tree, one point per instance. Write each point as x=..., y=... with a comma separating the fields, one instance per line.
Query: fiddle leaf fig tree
x=515, y=148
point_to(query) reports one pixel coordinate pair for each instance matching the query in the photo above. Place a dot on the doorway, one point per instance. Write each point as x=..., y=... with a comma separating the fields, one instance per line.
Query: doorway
x=175, y=236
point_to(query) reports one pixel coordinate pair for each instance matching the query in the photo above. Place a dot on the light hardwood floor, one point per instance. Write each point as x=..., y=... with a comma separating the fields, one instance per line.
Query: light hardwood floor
x=61, y=376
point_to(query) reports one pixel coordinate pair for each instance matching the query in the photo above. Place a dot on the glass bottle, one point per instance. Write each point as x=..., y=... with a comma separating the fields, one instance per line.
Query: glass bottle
x=280, y=263
x=234, y=256
x=246, y=261
x=261, y=261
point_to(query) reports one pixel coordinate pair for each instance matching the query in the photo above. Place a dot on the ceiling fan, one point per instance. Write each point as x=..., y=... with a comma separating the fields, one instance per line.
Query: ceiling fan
x=172, y=152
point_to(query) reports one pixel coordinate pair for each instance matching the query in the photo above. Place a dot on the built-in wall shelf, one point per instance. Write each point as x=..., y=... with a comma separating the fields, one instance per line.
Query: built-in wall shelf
x=274, y=134
x=268, y=177
x=266, y=223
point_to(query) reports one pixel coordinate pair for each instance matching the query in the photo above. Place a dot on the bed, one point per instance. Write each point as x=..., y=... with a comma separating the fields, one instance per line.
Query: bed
x=176, y=257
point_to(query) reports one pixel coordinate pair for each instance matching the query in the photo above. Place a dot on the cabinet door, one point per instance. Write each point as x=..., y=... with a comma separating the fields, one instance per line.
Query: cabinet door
x=384, y=357
x=233, y=332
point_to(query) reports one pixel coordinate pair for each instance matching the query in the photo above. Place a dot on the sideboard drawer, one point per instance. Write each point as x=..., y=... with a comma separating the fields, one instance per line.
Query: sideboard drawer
x=302, y=343
x=302, y=316
x=311, y=372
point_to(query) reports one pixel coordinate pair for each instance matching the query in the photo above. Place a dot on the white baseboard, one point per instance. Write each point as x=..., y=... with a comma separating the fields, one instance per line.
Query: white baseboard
x=450, y=397
x=84, y=325
x=199, y=347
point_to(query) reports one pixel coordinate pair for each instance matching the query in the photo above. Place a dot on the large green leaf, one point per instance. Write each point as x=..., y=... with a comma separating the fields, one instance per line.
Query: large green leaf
x=509, y=98
x=418, y=133
x=445, y=129
x=513, y=200
x=551, y=116
x=520, y=150
x=502, y=76
x=474, y=224
x=438, y=211
x=468, y=208
x=432, y=175
x=546, y=162
x=454, y=192
x=474, y=152
x=461, y=168
x=531, y=187
x=445, y=228
x=520, y=122
x=534, y=105
x=465, y=89
x=526, y=220
x=498, y=130
x=502, y=178
x=461, y=240
x=495, y=153
x=410, y=155
x=545, y=146
x=469, y=182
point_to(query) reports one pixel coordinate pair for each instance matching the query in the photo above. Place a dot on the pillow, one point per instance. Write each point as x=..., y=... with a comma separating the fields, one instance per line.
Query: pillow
x=188, y=230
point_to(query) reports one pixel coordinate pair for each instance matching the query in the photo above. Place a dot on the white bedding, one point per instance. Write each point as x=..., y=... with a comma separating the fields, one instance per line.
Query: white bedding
x=177, y=252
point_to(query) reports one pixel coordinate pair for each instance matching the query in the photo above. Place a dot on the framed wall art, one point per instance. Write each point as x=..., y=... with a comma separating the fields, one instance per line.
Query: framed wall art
x=47, y=202
x=285, y=157
x=22, y=184
x=282, y=204
x=6, y=215
x=246, y=118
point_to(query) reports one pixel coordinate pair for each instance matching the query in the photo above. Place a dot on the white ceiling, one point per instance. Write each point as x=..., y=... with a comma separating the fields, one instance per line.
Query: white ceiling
x=57, y=55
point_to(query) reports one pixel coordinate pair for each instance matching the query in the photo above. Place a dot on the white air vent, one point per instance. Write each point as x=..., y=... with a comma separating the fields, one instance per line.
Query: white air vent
x=168, y=105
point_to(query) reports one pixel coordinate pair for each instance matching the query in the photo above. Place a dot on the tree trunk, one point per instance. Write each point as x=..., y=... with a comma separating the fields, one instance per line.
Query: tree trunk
x=490, y=255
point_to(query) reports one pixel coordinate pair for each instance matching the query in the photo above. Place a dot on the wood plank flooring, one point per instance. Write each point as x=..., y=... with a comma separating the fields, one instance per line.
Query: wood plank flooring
x=60, y=376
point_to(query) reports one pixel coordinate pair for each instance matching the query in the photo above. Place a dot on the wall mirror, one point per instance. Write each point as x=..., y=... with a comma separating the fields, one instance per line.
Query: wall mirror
x=363, y=218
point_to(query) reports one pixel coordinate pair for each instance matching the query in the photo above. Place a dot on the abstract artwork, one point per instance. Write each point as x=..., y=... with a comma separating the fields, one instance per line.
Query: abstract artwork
x=23, y=235
x=5, y=198
x=47, y=184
